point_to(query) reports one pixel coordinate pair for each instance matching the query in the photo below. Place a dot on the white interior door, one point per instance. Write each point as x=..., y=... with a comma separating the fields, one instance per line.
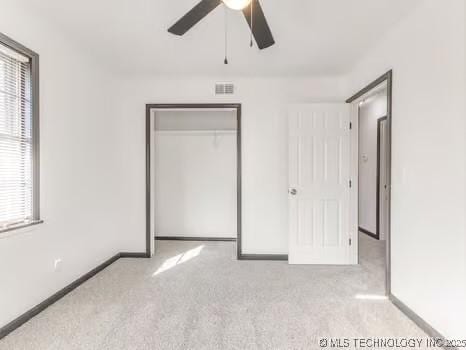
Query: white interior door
x=319, y=184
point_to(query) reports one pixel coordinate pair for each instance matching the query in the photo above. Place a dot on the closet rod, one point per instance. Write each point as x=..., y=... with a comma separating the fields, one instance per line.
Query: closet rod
x=196, y=132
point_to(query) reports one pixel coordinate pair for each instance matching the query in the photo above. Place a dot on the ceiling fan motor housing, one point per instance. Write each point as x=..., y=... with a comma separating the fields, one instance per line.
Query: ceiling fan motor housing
x=237, y=4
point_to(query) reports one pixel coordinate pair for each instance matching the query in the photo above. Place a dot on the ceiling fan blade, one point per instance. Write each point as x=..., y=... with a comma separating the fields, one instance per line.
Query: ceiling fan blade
x=260, y=27
x=197, y=13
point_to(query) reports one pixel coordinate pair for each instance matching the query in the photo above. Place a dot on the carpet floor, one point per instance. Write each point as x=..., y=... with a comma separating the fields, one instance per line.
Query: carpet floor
x=196, y=295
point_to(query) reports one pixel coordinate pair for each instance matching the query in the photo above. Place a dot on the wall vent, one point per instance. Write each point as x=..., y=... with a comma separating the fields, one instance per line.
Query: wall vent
x=224, y=89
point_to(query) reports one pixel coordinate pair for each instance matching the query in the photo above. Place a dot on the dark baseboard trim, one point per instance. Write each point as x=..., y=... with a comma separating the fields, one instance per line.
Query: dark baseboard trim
x=19, y=321
x=134, y=255
x=10, y=327
x=195, y=239
x=369, y=233
x=272, y=257
x=427, y=328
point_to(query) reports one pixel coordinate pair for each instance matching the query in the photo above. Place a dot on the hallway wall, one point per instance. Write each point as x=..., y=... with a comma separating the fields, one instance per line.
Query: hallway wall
x=370, y=111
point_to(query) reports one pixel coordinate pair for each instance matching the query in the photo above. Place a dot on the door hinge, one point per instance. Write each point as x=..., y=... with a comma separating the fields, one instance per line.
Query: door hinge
x=350, y=183
x=350, y=242
x=350, y=126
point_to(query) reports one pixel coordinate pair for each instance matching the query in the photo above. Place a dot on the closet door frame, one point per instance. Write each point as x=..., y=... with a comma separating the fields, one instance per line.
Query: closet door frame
x=150, y=236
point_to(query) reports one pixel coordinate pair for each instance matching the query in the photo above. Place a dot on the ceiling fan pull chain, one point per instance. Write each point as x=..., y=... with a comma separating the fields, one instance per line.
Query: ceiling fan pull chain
x=251, y=43
x=226, y=36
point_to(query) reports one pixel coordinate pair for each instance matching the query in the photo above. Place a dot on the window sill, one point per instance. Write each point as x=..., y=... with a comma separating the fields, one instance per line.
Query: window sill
x=20, y=226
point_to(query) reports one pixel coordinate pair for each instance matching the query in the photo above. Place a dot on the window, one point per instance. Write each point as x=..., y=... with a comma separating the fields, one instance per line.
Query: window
x=19, y=132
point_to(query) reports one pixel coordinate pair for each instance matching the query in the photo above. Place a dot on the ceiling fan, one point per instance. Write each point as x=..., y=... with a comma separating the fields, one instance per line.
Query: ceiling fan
x=251, y=9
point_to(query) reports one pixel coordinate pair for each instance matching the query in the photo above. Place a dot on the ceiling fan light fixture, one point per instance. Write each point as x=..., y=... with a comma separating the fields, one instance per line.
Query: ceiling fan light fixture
x=237, y=4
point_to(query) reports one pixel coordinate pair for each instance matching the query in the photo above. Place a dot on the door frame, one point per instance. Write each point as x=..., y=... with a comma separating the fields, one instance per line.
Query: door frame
x=150, y=238
x=388, y=78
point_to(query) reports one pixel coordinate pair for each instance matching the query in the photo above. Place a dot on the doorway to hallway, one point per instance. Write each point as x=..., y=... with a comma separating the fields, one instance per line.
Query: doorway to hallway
x=372, y=112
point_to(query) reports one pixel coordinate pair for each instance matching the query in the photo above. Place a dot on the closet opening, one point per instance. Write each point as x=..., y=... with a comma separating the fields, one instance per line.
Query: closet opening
x=193, y=174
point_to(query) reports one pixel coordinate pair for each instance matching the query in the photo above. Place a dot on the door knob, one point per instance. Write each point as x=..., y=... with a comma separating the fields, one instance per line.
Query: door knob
x=293, y=191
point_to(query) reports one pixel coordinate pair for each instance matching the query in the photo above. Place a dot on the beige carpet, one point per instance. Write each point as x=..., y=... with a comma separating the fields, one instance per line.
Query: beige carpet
x=195, y=295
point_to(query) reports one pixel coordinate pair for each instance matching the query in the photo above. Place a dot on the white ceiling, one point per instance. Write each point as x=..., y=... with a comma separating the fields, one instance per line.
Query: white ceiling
x=313, y=37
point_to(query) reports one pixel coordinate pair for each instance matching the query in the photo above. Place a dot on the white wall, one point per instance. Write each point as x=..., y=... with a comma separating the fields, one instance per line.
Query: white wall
x=195, y=184
x=79, y=200
x=426, y=53
x=195, y=179
x=371, y=110
x=202, y=119
x=264, y=147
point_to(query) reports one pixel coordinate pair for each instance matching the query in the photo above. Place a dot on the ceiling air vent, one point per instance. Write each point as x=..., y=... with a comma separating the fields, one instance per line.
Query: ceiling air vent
x=224, y=89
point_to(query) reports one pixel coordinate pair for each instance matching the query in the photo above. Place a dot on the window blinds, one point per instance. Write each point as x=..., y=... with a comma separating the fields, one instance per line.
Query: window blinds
x=16, y=170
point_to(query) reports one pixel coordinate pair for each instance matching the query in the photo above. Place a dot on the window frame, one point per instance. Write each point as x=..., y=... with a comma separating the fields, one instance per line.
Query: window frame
x=34, y=62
